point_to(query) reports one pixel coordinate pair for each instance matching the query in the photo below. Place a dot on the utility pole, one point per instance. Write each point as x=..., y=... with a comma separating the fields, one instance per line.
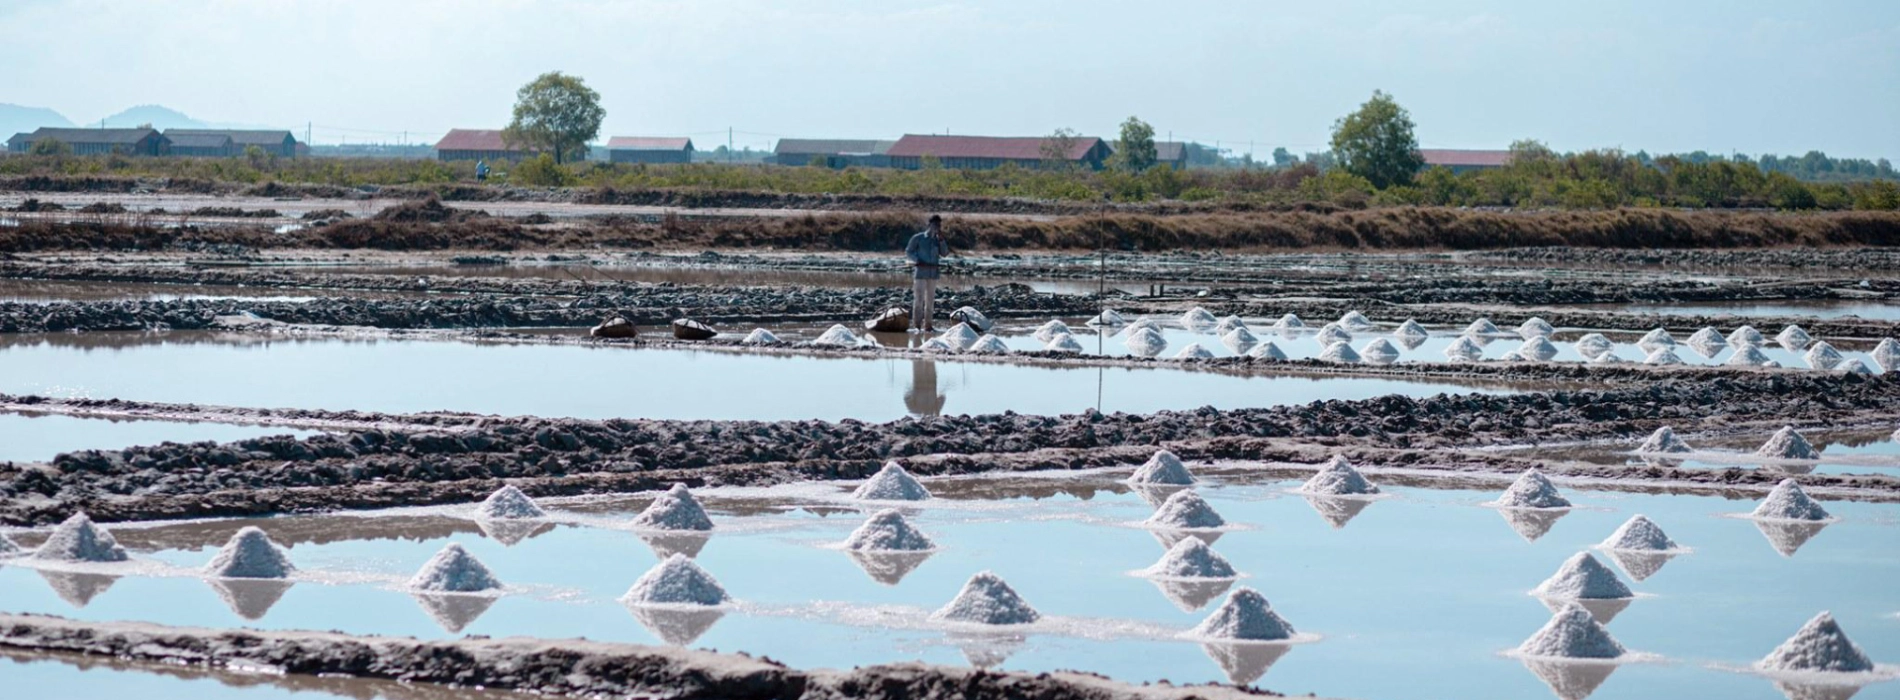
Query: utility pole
x=728, y=145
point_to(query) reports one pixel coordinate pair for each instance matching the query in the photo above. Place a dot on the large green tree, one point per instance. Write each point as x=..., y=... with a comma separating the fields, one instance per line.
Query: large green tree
x=1376, y=143
x=1136, y=152
x=556, y=114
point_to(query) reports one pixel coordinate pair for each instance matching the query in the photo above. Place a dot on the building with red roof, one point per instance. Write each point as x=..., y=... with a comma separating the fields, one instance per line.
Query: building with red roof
x=986, y=152
x=1462, y=160
x=478, y=144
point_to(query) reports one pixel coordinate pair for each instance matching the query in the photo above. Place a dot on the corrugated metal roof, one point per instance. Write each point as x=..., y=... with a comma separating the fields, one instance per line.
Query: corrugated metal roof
x=474, y=140
x=1170, y=151
x=1452, y=157
x=242, y=137
x=649, y=143
x=1001, y=147
x=112, y=136
x=198, y=140
x=832, y=147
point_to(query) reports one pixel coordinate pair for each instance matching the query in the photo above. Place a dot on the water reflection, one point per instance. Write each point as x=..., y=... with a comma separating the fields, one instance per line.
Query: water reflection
x=1190, y=596
x=1603, y=609
x=1244, y=663
x=1170, y=538
x=1640, y=565
x=923, y=398
x=1787, y=536
x=75, y=588
x=1532, y=523
x=453, y=611
x=1816, y=691
x=512, y=532
x=1338, y=511
x=666, y=544
x=677, y=626
x=1570, y=680
x=251, y=599
x=889, y=568
x=987, y=651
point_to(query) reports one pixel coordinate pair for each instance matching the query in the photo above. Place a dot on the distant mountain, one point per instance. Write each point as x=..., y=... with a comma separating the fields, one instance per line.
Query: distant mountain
x=15, y=119
x=160, y=118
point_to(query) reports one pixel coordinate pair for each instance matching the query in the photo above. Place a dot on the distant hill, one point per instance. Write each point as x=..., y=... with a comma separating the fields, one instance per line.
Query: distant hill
x=159, y=117
x=16, y=119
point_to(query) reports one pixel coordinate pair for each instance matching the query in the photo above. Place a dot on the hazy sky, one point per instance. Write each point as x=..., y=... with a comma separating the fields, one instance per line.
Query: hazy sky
x=1718, y=75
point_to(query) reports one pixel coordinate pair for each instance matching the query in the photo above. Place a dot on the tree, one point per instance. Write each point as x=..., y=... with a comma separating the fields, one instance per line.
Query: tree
x=1376, y=143
x=1057, y=146
x=1137, y=150
x=1283, y=158
x=1530, y=150
x=557, y=114
x=50, y=147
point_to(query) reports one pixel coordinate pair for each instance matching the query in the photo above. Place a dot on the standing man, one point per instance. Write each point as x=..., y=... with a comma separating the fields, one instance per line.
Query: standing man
x=926, y=252
x=481, y=170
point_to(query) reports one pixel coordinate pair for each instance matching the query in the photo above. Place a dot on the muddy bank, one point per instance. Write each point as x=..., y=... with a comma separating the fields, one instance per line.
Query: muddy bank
x=568, y=668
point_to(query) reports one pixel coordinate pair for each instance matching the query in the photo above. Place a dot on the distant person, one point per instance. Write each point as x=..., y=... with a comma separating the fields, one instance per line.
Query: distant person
x=481, y=171
x=926, y=252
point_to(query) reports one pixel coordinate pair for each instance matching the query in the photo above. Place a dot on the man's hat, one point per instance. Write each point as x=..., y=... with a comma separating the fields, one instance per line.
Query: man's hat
x=936, y=219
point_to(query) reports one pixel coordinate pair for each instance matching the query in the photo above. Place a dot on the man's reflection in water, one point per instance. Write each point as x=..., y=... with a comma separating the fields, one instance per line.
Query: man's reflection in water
x=922, y=398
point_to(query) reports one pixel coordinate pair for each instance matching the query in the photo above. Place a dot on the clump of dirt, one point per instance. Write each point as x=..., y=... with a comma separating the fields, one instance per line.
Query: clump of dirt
x=32, y=205
x=103, y=208
x=430, y=211
x=236, y=212
x=326, y=215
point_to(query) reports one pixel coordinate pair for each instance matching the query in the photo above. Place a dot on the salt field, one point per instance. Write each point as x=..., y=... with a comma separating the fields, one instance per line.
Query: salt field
x=38, y=438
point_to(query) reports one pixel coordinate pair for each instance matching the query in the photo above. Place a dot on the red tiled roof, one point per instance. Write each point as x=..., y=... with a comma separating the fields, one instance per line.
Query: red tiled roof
x=1003, y=147
x=649, y=143
x=1468, y=158
x=473, y=140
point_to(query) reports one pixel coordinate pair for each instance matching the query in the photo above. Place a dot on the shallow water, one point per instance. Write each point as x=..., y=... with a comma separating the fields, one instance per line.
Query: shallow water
x=1842, y=452
x=610, y=382
x=1412, y=597
x=32, y=437
x=1819, y=308
x=52, y=292
x=875, y=275
x=69, y=676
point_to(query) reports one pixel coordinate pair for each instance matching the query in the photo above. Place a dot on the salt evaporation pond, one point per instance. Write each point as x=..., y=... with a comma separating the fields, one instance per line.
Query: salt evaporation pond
x=39, y=437
x=66, y=676
x=613, y=382
x=896, y=276
x=1415, y=596
x=1818, y=308
x=1842, y=452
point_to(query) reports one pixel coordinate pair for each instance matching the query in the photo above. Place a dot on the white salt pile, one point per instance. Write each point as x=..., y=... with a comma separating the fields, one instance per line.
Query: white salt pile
x=1582, y=577
x=888, y=531
x=1146, y=342
x=1239, y=339
x=1194, y=351
x=8, y=547
x=1482, y=326
x=1593, y=344
x=676, y=509
x=1063, y=342
x=1749, y=356
x=1245, y=617
x=837, y=336
x=1887, y=353
x=1657, y=338
x=1607, y=357
x=1532, y=490
x=675, y=581
x=989, y=345
x=1788, y=502
x=1380, y=350
x=1164, y=468
x=1190, y=558
x=1854, y=366
x=1535, y=328
x=1339, y=352
x=1464, y=348
x=1185, y=510
x=1332, y=333
x=1198, y=318
x=1267, y=351
x=1823, y=356
x=960, y=337
x=77, y=539
x=1355, y=322
x=1662, y=355
x=1141, y=323
x=891, y=483
x=250, y=554
x=1707, y=337
x=1108, y=317
x=1639, y=534
x=1228, y=324
x=1411, y=329
x=454, y=570
x=1787, y=443
x=987, y=600
x=1538, y=349
x=509, y=503
x=1048, y=331
x=970, y=315
x=1288, y=322
x=1745, y=335
x=1337, y=478
x=1662, y=441
x=1820, y=645
x=936, y=345
x=759, y=336
x=1573, y=633
x=1793, y=337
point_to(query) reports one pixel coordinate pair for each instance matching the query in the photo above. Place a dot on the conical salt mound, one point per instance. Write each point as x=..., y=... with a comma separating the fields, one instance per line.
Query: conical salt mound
x=1662, y=441
x=1532, y=490
x=888, y=531
x=1707, y=337
x=1793, y=337
x=1573, y=633
x=891, y=483
x=1146, y=342
x=1411, y=329
x=1787, y=444
x=1593, y=344
x=1108, y=317
x=1288, y=322
x=1853, y=366
x=1245, y=616
x=250, y=554
x=759, y=336
x=1639, y=534
x=1194, y=351
x=8, y=547
x=1788, y=502
x=1583, y=577
x=1339, y=352
x=1482, y=326
x=987, y=600
x=1748, y=356
x=509, y=503
x=989, y=345
x=1140, y=323
x=1048, y=331
x=1538, y=349
x=78, y=539
x=1228, y=324
x=454, y=570
x=1063, y=342
x=1657, y=338
x=837, y=336
x=1380, y=350
x=1332, y=333
x=1746, y=335
x=960, y=336
x=1164, y=468
x=1185, y=510
x=675, y=581
x=1820, y=645
x=1191, y=558
x=676, y=509
x=1198, y=317
x=1536, y=328
x=1239, y=339
x=1267, y=351
x=973, y=317
x=1338, y=478
x=1662, y=355
x=1464, y=348
x=1823, y=356
x=1355, y=322
x=936, y=345
x=1887, y=352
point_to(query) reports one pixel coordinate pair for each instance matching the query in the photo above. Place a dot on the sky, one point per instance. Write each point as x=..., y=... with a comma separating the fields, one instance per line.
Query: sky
x=1725, y=76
